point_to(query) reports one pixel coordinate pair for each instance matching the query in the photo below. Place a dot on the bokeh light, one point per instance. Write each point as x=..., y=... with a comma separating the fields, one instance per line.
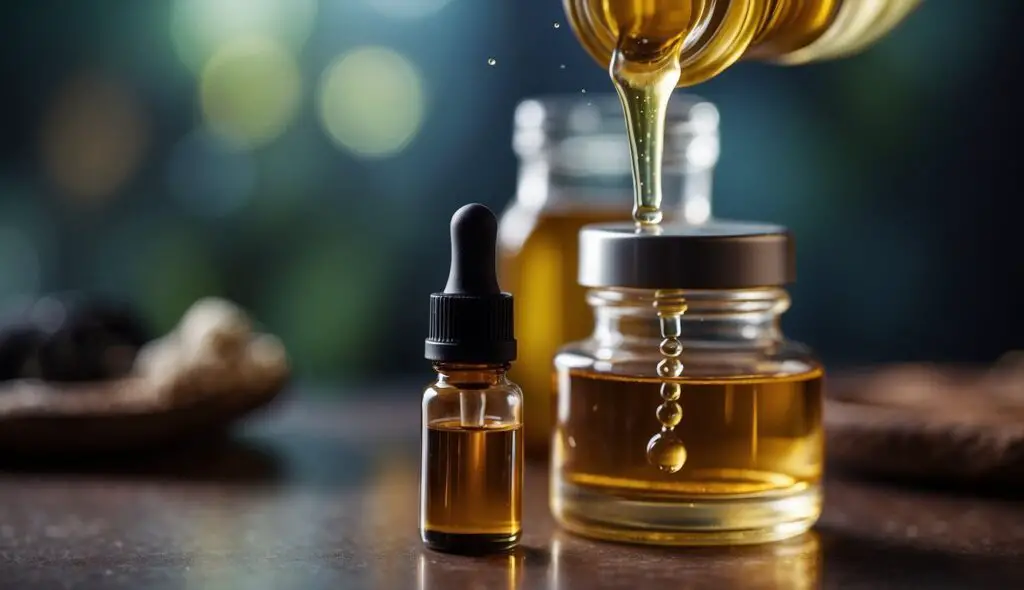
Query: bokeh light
x=372, y=101
x=250, y=90
x=209, y=176
x=200, y=27
x=408, y=9
x=93, y=138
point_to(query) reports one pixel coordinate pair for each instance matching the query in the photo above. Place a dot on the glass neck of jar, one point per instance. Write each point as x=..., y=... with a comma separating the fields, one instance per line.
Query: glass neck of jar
x=476, y=376
x=575, y=154
x=686, y=195
x=734, y=318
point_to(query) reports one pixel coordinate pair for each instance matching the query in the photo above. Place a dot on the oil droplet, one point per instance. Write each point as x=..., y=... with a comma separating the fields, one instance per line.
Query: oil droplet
x=670, y=392
x=671, y=347
x=491, y=61
x=669, y=414
x=666, y=452
x=670, y=367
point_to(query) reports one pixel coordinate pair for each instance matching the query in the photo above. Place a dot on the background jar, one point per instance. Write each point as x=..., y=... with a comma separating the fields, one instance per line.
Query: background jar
x=687, y=417
x=574, y=169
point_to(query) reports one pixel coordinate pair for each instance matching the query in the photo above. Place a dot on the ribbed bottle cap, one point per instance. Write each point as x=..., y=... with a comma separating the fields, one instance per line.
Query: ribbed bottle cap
x=714, y=255
x=471, y=320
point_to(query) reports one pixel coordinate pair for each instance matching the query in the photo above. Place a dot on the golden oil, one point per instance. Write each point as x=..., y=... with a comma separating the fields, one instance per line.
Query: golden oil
x=707, y=36
x=472, y=486
x=743, y=455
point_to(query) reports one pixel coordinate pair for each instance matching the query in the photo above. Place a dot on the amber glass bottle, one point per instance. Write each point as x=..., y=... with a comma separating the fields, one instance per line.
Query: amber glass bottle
x=574, y=169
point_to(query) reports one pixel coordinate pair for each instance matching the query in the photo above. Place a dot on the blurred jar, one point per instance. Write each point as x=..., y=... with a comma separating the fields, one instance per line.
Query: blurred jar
x=574, y=169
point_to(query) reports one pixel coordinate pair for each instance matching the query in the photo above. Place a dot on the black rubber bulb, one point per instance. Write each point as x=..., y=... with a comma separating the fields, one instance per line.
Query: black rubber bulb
x=474, y=244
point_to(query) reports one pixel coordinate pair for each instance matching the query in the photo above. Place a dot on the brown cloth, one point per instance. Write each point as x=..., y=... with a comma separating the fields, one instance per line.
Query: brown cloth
x=943, y=424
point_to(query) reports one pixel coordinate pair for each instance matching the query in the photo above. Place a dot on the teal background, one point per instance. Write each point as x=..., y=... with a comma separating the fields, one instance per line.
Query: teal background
x=897, y=169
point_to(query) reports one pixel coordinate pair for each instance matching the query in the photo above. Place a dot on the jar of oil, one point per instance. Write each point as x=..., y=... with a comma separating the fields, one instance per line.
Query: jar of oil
x=687, y=417
x=704, y=37
x=574, y=170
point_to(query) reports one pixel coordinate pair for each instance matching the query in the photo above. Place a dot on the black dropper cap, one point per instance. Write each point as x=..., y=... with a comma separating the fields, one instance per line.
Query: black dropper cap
x=471, y=321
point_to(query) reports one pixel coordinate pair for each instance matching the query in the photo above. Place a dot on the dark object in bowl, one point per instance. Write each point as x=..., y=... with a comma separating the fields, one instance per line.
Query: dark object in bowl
x=948, y=425
x=178, y=387
x=71, y=338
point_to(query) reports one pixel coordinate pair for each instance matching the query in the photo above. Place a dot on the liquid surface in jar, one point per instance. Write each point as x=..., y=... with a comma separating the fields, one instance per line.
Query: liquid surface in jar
x=738, y=436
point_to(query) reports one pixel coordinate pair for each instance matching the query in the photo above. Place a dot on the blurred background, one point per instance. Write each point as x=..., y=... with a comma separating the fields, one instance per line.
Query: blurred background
x=303, y=158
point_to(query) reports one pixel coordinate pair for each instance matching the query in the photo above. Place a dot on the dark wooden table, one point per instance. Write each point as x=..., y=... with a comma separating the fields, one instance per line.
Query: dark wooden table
x=319, y=495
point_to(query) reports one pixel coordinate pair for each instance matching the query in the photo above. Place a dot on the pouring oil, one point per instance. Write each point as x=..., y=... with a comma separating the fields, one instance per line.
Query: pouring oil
x=645, y=88
x=653, y=46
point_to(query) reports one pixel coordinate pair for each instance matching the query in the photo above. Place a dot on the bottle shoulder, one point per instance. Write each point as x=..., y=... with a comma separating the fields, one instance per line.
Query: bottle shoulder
x=440, y=389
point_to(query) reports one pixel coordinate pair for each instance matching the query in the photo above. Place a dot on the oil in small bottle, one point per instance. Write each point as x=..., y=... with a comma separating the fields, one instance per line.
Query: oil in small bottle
x=472, y=493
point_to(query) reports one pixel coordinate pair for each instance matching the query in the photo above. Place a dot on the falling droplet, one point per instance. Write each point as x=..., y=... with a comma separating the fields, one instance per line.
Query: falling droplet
x=491, y=61
x=558, y=24
x=670, y=367
x=671, y=347
x=670, y=392
x=666, y=452
x=669, y=414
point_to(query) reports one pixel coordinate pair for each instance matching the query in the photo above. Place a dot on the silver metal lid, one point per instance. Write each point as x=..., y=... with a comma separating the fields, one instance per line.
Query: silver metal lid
x=714, y=255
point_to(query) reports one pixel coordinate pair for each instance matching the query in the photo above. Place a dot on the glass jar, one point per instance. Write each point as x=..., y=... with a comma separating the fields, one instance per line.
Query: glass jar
x=574, y=169
x=686, y=417
x=711, y=35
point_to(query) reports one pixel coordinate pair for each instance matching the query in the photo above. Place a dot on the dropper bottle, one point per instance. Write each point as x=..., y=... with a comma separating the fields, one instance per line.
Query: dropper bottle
x=472, y=463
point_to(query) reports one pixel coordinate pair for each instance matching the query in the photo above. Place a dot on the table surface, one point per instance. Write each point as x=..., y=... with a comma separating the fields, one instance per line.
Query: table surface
x=315, y=494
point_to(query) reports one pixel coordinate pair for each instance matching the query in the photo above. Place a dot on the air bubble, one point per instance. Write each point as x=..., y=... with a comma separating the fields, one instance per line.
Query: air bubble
x=669, y=414
x=558, y=25
x=666, y=452
x=491, y=61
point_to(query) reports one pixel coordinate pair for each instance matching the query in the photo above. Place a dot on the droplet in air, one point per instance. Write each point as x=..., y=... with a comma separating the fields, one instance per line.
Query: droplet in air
x=491, y=61
x=666, y=452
